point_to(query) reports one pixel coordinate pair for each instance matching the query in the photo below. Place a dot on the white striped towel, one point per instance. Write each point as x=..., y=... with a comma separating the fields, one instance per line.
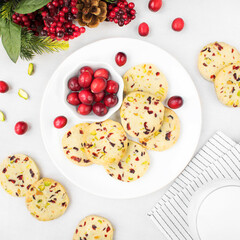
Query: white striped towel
x=218, y=159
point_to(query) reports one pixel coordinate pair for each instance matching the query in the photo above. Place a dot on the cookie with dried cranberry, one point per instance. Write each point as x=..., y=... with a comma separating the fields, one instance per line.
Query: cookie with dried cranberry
x=73, y=145
x=133, y=166
x=141, y=114
x=166, y=136
x=17, y=173
x=47, y=199
x=94, y=227
x=146, y=78
x=227, y=85
x=105, y=142
x=215, y=56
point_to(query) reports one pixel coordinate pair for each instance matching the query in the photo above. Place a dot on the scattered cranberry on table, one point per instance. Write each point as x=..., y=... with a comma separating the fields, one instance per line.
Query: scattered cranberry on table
x=155, y=5
x=178, y=24
x=143, y=29
x=3, y=87
x=175, y=102
x=60, y=122
x=21, y=128
x=121, y=59
x=100, y=109
x=92, y=91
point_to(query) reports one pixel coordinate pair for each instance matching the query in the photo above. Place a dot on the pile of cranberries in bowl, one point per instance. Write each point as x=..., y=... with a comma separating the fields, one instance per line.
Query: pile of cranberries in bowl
x=93, y=91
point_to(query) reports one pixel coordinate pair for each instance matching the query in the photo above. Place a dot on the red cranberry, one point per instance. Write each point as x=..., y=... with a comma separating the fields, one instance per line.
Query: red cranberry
x=175, y=102
x=143, y=29
x=73, y=84
x=98, y=97
x=155, y=5
x=100, y=109
x=178, y=24
x=86, y=69
x=60, y=122
x=121, y=59
x=73, y=99
x=21, y=128
x=3, y=87
x=98, y=85
x=112, y=87
x=131, y=5
x=85, y=79
x=110, y=100
x=86, y=97
x=84, y=109
x=101, y=72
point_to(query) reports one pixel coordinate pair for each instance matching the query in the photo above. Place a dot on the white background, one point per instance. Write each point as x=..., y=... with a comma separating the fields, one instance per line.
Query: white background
x=206, y=21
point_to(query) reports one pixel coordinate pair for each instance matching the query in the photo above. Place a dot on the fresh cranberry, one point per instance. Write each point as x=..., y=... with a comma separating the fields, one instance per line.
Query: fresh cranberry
x=121, y=59
x=74, y=10
x=101, y=72
x=143, y=29
x=86, y=97
x=98, y=97
x=73, y=84
x=112, y=87
x=100, y=109
x=175, y=102
x=21, y=128
x=60, y=122
x=155, y=5
x=85, y=79
x=84, y=109
x=178, y=24
x=131, y=5
x=3, y=87
x=98, y=85
x=110, y=100
x=86, y=69
x=73, y=99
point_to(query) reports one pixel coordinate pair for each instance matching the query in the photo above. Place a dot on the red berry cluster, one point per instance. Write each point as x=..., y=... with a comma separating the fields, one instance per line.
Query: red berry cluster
x=92, y=91
x=54, y=20
x=31, y=21
x=122, y=12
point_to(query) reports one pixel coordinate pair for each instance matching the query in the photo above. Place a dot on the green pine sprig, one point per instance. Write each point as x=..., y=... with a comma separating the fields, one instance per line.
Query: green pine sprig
x=31, y=45
x=110, y=1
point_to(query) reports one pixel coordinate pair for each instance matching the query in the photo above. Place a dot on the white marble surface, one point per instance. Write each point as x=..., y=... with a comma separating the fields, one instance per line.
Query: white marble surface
x=206, y=21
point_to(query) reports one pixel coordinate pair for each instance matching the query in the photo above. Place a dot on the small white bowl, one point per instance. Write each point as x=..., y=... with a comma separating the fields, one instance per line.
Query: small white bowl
x=113, y=76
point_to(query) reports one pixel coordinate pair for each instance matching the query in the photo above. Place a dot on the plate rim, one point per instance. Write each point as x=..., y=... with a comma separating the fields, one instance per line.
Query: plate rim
x=102, y=195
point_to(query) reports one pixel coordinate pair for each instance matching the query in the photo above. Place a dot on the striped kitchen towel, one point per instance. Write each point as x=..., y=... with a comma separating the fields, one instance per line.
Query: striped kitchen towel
x=218, y=159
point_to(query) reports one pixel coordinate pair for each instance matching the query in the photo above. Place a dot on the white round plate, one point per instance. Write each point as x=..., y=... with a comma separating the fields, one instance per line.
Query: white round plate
x=165, y=166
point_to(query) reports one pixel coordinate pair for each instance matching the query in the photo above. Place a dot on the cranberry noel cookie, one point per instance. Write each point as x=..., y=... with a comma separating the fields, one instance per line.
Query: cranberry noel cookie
x=133, y=166
x=147, y=78
x=73, y=145
x=166, y=136
x=105, y=142
x=47, y=199
x=94, y=227
x=227, y=85
x=17, y=173
x=141, y=114
x=215, y=56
